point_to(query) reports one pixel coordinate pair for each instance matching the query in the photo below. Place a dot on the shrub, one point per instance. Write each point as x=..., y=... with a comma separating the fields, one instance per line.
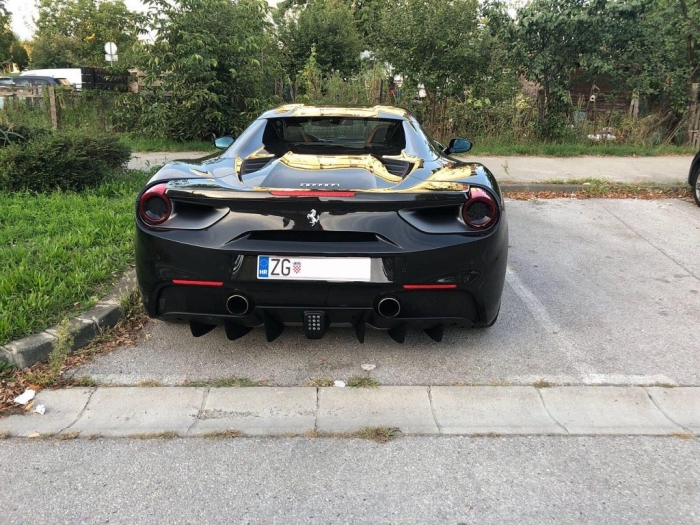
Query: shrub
x=20, y=134
x=68, y=161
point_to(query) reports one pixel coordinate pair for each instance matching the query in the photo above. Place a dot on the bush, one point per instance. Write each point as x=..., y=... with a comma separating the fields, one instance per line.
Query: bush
x=68, y=161
x=20, y=134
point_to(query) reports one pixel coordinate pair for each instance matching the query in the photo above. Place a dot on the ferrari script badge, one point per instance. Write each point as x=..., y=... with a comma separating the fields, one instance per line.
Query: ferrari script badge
x=313, y=218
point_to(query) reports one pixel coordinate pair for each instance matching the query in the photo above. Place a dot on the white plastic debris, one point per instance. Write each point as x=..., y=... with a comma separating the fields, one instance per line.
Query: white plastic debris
x=368, y=367
x=340, y=384
x=602, y=136
x=25, y=397
x=40, y=409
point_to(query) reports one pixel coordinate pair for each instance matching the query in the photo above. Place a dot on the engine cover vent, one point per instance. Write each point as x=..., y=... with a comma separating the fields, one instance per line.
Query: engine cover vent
x=253, y=165
x=400, y=168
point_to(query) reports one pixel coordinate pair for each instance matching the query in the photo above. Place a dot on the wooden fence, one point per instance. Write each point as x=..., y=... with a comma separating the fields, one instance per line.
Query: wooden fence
x=30, y=93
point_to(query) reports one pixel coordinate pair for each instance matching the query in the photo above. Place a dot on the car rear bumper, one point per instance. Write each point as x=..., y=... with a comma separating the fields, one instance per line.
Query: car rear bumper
x=459, y=282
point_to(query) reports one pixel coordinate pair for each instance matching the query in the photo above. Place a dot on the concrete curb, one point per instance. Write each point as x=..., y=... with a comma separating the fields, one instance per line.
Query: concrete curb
x=82, y=328
x=417, y=410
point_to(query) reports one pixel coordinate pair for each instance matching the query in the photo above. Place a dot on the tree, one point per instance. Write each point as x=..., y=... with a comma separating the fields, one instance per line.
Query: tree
x=210, y=69
x=18, y=54
x=434, y=43
x=327, y=25
x=72, y=33
x=6, y=35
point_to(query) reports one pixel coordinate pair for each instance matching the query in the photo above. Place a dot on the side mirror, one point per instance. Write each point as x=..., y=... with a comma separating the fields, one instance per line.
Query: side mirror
x=224, y=142
x=458, y=146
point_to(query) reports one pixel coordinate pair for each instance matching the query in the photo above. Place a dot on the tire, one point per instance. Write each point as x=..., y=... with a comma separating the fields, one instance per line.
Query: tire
x=695, y=185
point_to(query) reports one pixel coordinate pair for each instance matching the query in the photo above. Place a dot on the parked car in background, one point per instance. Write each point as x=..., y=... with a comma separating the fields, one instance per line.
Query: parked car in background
x=320, y=216
x=73, y=75
x=694, y=179
x=40, y=81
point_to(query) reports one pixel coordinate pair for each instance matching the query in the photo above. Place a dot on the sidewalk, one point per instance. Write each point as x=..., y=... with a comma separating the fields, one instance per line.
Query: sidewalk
x=273, y=411
x=659, y=170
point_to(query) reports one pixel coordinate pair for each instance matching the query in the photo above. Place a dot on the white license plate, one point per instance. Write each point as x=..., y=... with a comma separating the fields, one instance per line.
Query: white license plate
x=314, y=268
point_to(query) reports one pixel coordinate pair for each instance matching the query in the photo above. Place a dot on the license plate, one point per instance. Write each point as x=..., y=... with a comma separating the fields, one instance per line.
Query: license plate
x=314, y=268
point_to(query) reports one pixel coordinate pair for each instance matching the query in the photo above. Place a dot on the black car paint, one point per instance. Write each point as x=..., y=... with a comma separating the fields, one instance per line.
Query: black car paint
x=694, y=177
x=409, y=229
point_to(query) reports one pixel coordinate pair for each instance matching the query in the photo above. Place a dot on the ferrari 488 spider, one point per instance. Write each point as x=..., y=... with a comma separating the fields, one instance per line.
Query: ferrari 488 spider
x=318, y=216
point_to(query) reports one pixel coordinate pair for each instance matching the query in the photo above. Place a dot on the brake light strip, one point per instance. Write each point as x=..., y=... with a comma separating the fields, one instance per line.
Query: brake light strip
x=187, y=282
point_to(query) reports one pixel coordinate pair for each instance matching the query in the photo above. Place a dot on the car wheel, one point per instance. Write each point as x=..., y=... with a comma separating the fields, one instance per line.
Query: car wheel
x=695, y=183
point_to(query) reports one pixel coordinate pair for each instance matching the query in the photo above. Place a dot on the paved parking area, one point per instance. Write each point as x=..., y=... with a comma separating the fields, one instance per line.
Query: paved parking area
x=523, y=480
x=597, y=292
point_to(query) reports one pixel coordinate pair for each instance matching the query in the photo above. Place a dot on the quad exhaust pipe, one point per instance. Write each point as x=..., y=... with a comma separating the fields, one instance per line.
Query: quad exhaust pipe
x=388, y=307
x=237, y=305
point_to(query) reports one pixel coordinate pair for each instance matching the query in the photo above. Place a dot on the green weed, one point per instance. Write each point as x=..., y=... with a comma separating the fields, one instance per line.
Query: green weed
x=226, y=382
x=362, y=382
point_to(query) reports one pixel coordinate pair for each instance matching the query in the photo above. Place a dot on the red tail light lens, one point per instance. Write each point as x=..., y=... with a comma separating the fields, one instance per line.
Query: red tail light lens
x=481, y=210
x=154, y=206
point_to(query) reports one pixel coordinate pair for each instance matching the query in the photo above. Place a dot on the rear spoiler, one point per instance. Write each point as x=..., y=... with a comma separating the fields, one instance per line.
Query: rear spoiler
x=276, y=199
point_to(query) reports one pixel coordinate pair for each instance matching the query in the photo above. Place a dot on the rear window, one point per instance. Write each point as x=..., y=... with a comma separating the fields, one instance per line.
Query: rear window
x=331, y=135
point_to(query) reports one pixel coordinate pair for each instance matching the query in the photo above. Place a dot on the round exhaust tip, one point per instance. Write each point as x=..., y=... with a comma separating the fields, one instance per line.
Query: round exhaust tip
x=237, y=305
x=389, y=307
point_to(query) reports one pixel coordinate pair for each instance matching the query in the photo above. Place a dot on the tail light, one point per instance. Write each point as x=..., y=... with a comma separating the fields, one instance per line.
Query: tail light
x=154, y=205
x=480, y=211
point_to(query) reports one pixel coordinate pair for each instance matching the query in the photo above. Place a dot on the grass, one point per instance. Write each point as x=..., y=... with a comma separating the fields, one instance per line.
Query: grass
x=149, y=383
x=495, y=147
x=68, y=435
x=320, y=382
x=166, y=434
x=362, y=382
x=61, y=251
x=222, y=434
x=141, y=143
x=543, y=383
x=379, y=434
x=227, y=382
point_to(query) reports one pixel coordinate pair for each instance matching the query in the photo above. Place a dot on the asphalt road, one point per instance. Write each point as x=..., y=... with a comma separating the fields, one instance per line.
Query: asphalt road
x=597, y=292
x=411, y=480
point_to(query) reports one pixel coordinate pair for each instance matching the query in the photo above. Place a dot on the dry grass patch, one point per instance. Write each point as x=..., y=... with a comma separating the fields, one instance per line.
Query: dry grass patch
x=223, y=434
x=320, y=382
x=170, y=434
x=68, y=435
x=150, y=383
x=379, y=434
x=543, y=384
x=232, y=381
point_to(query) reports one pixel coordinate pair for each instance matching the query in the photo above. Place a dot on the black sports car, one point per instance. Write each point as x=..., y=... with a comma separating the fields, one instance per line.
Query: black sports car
x=694, y=177
x=320, y=216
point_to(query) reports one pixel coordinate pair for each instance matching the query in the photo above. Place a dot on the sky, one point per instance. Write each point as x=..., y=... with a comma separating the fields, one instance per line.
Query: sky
x=23, y=11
